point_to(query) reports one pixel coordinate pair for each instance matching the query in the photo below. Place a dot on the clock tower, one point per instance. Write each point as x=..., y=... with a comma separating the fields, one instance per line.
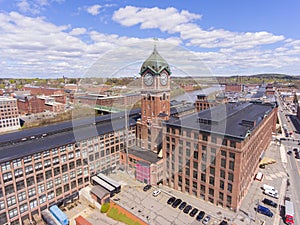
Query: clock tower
x=155, y=101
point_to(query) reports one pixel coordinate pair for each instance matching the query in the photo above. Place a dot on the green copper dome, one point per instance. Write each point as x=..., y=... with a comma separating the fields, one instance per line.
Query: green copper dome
x=156, y=63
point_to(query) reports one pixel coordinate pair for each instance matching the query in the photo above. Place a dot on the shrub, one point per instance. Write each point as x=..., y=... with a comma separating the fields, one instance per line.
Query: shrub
x=105, y=207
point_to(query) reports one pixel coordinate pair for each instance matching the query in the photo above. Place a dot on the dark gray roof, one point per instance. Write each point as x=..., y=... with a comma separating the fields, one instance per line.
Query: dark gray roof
x=99, y=191
x=233, y=120
x=14, y=137
x=67, y=134
x=181, y=108
x=146, y=155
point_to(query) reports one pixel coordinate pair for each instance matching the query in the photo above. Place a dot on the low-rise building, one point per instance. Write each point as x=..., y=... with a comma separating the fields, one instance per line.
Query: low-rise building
x=9, y=114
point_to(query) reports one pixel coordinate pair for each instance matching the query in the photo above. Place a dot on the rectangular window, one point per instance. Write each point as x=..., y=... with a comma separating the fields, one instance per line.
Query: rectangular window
x=214, y=139
x=38, y=166
x=7, y=177
x=224, y=142
x=47, y=163
x=23, y=208
x=203, y=177
x=5, y=166
x=232, y=144
x=17, y=163
x=46, y=153
x=28, y=170
x=222, y=174
x=9, y=189
x=231, y=155
x=11, y=201
x=41, y=188
x=228, y=200
x=18, y=173
x=204, y=137
x=211, y=191
x=230, y=176
x=42, y=199
x=229, y=187
x=13, y=213
x=33, y=204
x=49, y=184
x=231, y=165
x=221, y=185
x=27, y=159
x=22, y=196
x=223, y=163
x=20, y=185
x=31, y=192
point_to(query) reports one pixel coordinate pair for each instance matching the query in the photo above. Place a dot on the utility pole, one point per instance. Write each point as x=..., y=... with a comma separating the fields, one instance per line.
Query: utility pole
x=126, y=134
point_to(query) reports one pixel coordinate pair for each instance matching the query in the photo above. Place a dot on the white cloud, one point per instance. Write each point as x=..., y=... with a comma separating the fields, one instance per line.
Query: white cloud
x=78, y=31
x=94, y=10
x=34, y=7
x=172, y=21
x=31, y=46
x=164, y=19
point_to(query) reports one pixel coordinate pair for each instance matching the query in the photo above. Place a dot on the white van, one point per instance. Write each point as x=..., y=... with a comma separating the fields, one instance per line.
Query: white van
x=271, y=193
x=268, y=187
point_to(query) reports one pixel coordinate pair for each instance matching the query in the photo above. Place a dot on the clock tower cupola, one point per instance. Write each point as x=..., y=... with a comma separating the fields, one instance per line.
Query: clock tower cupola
x=155, y=73
x=155, y=101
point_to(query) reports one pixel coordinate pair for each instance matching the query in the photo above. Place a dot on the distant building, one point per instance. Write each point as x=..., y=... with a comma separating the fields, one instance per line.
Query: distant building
x=30, y=104
x=9, y=114
x=236, y=87
x=203, y=103
x=270, y=91
x=37, y=90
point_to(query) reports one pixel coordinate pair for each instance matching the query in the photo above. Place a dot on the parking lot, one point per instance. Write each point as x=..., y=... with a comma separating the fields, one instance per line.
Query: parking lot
x=156, y=210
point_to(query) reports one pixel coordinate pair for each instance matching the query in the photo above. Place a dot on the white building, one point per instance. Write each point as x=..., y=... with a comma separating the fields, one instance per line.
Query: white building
x=9, y=114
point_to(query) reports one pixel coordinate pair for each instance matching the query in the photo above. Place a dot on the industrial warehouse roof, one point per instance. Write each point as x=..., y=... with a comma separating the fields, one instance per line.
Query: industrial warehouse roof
x=236, y=120
x=39, y=132
x=61, y=134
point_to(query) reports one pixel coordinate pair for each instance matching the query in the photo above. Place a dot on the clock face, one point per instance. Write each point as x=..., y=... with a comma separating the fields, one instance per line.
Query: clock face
x=148, y=79
x=163, y=79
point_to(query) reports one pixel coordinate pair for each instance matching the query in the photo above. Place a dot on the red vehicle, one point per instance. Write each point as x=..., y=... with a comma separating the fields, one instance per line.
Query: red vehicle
x=289, y=212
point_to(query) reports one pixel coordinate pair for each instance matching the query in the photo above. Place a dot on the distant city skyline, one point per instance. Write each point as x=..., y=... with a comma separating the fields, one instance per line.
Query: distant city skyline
x=50, y=39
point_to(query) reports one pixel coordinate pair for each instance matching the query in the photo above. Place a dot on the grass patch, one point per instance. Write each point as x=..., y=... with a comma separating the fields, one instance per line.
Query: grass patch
x=114, y=214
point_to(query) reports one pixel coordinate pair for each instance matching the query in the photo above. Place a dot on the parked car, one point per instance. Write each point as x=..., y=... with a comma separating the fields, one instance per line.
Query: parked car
x=171, y=200
x=147, y=187
x=182, y=205
x=194, y=212
x=269, y=202
x=187, y=209
x=223, y=223
x=262, y=166
x=176, y=203
x=156, y=192
x=206, y=220
x=271, y=193
x=264, y=210
x=200, y=215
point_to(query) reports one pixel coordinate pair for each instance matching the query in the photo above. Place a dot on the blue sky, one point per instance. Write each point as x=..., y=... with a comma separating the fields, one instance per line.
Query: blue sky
x=55, y=38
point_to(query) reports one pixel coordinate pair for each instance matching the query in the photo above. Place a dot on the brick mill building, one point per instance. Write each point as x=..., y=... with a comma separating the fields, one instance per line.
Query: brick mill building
x=212, y=154
x=43, y=166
